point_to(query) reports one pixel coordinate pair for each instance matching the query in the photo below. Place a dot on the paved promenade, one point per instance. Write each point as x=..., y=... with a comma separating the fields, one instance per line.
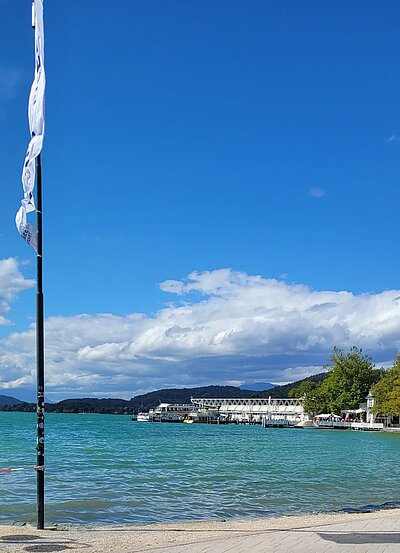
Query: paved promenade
x=364, y=533
x=376, y=535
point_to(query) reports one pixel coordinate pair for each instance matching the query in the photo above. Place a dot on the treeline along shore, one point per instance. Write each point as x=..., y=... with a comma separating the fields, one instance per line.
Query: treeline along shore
x=150, y=400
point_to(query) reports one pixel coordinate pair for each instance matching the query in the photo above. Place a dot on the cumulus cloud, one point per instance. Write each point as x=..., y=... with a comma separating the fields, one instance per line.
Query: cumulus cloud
x=11, y=284
x=316, y=192
x=232, y=327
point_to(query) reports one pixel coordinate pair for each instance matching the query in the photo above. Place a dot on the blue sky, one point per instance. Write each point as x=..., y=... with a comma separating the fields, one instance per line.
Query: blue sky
x=260, y=137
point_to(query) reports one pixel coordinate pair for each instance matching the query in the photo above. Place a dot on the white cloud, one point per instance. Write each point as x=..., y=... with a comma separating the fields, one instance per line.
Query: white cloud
x=392, y=138
x=297, y=373
x=241, y=328
x=4, y=321
x=11, y=284
x=316, y=192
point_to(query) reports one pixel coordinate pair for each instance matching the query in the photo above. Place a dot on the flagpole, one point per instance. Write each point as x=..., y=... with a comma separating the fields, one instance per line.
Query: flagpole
x=31, y=175
x=39, y=353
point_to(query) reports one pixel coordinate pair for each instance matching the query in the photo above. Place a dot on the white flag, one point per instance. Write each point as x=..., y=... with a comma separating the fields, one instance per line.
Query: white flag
x=36, y=127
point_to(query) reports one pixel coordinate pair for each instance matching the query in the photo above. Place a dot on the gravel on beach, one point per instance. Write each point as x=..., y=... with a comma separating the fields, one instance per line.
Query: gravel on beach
x=136, y=538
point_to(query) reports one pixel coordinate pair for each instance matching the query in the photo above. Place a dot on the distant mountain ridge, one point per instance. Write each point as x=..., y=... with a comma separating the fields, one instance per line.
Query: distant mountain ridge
x=144, y=402
x=183, y=395
x=9, y=400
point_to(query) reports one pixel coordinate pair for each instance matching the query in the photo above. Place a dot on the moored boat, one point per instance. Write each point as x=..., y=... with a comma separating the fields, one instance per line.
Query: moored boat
x=306, y=424
x=143, y=417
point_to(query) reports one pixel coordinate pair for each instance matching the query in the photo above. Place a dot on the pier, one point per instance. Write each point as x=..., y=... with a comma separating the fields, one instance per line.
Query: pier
x=277, y=413
x=342, y=425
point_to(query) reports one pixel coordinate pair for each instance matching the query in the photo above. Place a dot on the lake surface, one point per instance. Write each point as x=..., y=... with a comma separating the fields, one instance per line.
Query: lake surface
x=108, y=469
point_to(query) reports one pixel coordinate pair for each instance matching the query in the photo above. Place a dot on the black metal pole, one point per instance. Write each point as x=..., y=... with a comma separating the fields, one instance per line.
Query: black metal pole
x=39, y=353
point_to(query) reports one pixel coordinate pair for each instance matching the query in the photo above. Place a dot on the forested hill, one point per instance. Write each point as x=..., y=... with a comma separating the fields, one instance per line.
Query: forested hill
x=150, y=400
x=183, y=395
x=9, y=400
x=144, y=402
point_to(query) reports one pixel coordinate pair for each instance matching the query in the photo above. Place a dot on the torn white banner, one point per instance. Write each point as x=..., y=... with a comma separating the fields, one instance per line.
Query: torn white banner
x=36, y=127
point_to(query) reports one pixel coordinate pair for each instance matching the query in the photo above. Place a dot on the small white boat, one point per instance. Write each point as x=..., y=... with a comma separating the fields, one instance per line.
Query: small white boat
x=143, y=417
x=306, y=424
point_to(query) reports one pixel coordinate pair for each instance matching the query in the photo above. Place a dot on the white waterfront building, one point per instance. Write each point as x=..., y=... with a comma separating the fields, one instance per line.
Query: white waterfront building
x=255, y=410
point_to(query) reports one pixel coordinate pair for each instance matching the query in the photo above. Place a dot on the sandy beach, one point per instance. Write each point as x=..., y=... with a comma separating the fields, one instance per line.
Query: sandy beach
x=375, y=532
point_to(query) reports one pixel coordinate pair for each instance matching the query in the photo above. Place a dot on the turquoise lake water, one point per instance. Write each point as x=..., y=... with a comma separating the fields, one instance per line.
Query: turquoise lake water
x=108, y=469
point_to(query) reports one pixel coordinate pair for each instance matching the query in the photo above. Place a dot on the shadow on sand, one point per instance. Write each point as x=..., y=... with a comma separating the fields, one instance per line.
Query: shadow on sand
x=41, y=544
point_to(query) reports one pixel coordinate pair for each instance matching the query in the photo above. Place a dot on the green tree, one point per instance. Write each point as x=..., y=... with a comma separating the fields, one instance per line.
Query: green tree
x=351, y=376
x=309, y=391
x=387, y=391
x=306, y=388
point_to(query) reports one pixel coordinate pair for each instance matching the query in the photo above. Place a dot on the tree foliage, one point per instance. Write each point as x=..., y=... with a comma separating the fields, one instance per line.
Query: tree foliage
x=350, y=377
x=387, y=391
x=306, y=388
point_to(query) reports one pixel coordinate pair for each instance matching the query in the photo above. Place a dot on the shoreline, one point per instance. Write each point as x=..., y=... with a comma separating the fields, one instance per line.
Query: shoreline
x=387, y=506
x=187, y=536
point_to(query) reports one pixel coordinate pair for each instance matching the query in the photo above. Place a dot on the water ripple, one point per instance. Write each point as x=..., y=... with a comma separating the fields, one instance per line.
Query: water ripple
x=107, y=469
